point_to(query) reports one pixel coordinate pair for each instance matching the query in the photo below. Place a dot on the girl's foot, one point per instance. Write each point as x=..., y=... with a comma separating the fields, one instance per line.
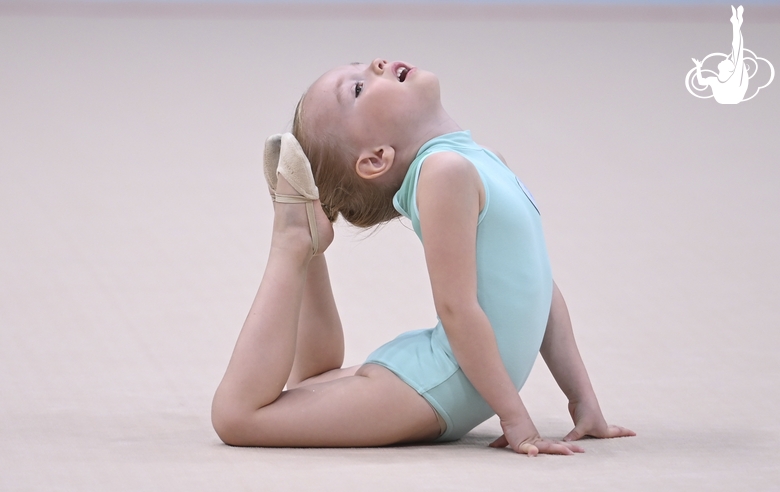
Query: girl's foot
x=285, y=161
x=291, y=223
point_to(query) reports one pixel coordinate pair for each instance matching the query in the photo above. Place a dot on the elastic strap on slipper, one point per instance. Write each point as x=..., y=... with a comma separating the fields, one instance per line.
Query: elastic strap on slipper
x=309, y=213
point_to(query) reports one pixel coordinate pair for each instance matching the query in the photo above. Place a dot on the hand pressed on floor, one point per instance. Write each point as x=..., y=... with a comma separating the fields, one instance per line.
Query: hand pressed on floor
x=589, y=421
x=523, y=438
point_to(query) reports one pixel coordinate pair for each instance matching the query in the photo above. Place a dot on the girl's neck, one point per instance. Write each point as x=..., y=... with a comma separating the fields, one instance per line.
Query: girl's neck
x=440, y=125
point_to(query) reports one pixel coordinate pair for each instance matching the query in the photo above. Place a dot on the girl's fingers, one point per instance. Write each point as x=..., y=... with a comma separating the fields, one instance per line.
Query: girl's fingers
x=610, y=432
x=556, y=449
x=549, y=447
x=617, y=431
x=574, y=447
x=501, y=442
x=538, y=446
x=528, y=449
x=553, y=448
x=574, y=435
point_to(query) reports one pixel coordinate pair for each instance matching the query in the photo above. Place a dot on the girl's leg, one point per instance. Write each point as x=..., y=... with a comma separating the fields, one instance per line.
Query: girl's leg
x=373, y=407
x=319, y=352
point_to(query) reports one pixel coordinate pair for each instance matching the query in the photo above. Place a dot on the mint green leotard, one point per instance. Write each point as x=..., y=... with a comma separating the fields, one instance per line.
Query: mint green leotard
x=514, y=289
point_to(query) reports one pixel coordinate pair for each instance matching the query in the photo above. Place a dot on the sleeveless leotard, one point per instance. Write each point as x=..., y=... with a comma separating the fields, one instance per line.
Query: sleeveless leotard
x=514, y=289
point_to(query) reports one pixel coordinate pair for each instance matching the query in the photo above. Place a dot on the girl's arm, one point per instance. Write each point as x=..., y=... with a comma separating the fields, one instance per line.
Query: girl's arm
x=559, y=350
x=449, y=196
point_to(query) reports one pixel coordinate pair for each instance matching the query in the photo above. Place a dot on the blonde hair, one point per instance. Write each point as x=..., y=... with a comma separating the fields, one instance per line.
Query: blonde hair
x=342, y=191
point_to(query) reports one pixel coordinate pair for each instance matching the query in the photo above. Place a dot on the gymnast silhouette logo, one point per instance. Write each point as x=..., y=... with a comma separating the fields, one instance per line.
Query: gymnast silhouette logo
x=735, y=70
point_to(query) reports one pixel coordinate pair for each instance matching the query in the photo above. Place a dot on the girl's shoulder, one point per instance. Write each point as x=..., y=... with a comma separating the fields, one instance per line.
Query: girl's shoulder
x=442, y=165
x=448, y=176
x=446, y=167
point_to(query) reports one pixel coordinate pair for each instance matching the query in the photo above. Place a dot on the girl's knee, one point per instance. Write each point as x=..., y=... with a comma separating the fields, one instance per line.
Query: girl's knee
x=226, y=424
x=226, y=427
x=230, y=422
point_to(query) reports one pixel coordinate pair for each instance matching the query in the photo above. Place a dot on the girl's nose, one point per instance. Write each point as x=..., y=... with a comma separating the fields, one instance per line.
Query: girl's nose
x=378, y=66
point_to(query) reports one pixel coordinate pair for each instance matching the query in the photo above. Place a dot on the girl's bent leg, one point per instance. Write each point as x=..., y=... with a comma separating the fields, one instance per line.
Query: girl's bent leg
x=372, y=408
x=264, y=352
x=263, y=356
x=320, y=345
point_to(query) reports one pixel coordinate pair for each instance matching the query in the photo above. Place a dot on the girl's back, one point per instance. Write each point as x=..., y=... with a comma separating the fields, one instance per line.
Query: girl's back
x=514, y=280
x=514, y=289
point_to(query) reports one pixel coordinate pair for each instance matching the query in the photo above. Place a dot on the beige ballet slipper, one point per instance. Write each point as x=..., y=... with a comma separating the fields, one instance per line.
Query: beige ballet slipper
x=284, y=155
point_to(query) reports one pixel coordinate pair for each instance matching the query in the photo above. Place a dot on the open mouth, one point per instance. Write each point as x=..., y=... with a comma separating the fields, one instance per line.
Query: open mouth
x=401, y=72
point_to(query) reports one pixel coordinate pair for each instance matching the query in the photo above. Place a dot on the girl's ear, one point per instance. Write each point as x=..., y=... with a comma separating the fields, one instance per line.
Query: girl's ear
x=375, y=162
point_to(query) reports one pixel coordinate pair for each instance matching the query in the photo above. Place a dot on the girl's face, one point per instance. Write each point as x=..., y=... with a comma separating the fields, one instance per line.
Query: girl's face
x=380, y=103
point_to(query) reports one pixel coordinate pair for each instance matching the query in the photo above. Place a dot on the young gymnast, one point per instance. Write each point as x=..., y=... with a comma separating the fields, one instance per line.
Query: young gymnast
x=380, y=143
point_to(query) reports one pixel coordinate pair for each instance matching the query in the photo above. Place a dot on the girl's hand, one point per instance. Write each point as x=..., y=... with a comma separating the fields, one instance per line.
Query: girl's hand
x=525, y=440
x=588, y=421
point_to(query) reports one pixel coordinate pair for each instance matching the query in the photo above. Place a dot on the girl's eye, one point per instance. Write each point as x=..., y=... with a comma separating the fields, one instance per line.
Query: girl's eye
x=358, y=88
